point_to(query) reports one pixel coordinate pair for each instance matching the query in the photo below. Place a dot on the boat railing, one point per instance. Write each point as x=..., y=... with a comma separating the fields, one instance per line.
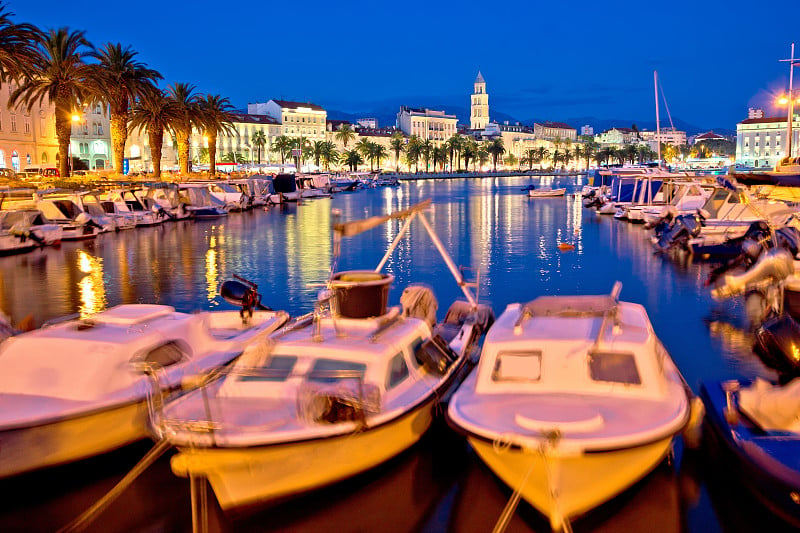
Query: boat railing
x=323, y=397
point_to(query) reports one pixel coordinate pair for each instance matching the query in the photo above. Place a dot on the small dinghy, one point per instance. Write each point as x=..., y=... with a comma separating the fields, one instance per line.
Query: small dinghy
x=78, y=388
x=546, y=192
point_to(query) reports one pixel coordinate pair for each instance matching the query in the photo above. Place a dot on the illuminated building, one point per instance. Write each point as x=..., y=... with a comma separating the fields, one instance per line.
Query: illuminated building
x=553, y=130
x=479, y=105
x=297, y=119
x=761, y=142
x=427, y=124
x=90, y=140
x=27, y=136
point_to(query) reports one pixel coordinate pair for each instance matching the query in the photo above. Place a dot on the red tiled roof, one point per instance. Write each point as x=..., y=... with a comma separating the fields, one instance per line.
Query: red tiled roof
x=765, y=120
x=709, y=135
x=559, y=125
x=254, y=119
x=294, y=105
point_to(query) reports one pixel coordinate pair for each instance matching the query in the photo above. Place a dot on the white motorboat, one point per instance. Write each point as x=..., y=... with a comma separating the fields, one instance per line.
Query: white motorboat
x=30, y=225
x=546, y=192
x=78, y=388
x=335, y=395
x=163, y=197
x=199, y=202
x=123, y=201
x=228, y=195
x=573, y=401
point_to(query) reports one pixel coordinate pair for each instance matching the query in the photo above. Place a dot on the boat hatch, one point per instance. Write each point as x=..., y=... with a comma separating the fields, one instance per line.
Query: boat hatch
x=614, y=367
x=124, y=315
x=518, y=367
x=164, y=355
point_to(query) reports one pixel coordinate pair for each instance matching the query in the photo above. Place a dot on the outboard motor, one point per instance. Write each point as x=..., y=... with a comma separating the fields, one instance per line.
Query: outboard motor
x=776, y=264
x=242, y=293
x=678, y=233
x=776, y=344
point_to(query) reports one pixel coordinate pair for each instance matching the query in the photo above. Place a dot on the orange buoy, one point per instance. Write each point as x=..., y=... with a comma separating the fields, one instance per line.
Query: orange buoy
x=565, y=246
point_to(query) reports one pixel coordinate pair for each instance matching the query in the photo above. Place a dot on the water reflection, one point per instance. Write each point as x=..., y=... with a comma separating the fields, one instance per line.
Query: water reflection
x=488, y=224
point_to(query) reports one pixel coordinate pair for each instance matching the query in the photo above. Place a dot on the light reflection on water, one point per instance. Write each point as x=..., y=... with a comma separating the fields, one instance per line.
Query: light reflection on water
x=489, y=224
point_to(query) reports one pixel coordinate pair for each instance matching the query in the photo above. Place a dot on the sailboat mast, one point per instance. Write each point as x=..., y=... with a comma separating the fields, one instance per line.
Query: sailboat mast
x=658, y=124
x=791, y=107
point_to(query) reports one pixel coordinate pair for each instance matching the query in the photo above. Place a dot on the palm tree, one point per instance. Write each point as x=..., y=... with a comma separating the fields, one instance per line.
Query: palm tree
x=397, y=142
x=329, y=153
x=316, y=151
x=351, y=158
x=413, y=152
x=567, y=156
x=283, y=145
x=118, y=79
x=377, y=153
x=454, y=145
x=496, y=149
x=216, y=116
x=363, y=146
x=345, y=134
x=259, y=139
x=557, y=157
x=61, y=77
x=187, y=116
x=153, y=112
x=469, y=149
x=510, y=160
x=542, y=154
x=482, y=155
x=440, y=156
x=589, y=150
x=529, y=157
x=427, y=152
x=629, y=153
x=18, y=51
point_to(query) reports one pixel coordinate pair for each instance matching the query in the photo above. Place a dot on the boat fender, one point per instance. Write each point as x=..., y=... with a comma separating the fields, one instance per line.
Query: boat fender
x=693, y=431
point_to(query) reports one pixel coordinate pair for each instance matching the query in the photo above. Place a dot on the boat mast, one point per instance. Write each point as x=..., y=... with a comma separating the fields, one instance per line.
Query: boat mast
x=790, y=118
x=658, y=124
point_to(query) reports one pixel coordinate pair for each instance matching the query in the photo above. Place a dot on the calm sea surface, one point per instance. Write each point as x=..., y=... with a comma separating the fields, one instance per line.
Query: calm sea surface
x=439, y=485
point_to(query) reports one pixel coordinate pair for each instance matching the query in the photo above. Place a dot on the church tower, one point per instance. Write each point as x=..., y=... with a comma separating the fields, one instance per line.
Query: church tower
x=479, y=108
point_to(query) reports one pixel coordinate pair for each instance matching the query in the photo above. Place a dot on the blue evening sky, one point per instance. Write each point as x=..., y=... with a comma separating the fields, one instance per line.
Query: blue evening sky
x=548, y=60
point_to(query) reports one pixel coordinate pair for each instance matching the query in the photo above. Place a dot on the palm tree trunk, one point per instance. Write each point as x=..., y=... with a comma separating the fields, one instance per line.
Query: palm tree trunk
x=182, y=138
x=63, y=132
x=212, y=152
x=156, y=139
x=119, y=135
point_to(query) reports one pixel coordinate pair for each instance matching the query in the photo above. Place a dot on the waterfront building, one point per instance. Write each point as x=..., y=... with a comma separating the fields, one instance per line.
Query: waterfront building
x=616, y=137
x=587, y=130
x=517, y=139
x=761, y=142
x=27, y=136
x=671, y=136
x=479, y=105
x=555, y=130
x=90, y=139
x=755, y=112
x=368, y=123
x=427, y=124
x=297, y=119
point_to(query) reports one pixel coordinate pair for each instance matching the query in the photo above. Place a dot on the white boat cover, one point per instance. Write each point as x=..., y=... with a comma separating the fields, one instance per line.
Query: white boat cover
x=772, y=407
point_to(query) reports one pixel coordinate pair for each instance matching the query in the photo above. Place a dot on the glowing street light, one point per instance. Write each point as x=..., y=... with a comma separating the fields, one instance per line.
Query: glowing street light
x=76, y=117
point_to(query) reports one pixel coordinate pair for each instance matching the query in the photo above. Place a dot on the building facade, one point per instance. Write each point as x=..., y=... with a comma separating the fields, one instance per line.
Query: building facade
x=27, y=136
x=90, y=140
x=671, y=136
x=427, y=124
x=297, y=119
x=479, y=105
x=553, y=130
x=761, y=142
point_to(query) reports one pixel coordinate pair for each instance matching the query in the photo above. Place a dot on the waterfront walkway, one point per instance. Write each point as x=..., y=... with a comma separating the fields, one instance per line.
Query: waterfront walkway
x=466, y=174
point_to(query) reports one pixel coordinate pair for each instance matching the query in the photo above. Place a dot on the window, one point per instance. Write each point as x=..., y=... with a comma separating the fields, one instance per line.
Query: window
x=332, y=370
x=165, y=355
x=518, y=366
x=13, y=122
x=398, y=371
x=27, y=126
x=277, y=368
x=614, y=367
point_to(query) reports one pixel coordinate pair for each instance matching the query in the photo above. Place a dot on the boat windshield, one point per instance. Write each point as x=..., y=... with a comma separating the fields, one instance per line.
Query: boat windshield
x=518, y=367
x=615, y=367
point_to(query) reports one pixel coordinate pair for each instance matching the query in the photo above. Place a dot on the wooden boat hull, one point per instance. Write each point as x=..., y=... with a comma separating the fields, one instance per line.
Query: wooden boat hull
x=563, y=487
x=30, y=448
x=539, y=193
x=246, y=476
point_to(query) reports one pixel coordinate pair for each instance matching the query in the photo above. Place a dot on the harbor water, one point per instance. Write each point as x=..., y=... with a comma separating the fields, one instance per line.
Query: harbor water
x=510, y=243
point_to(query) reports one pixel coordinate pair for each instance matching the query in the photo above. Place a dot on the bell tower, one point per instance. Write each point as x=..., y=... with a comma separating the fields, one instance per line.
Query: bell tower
x=479, y=107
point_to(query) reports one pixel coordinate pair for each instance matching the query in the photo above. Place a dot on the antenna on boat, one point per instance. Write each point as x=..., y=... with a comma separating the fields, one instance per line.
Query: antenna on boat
x=658, y=124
